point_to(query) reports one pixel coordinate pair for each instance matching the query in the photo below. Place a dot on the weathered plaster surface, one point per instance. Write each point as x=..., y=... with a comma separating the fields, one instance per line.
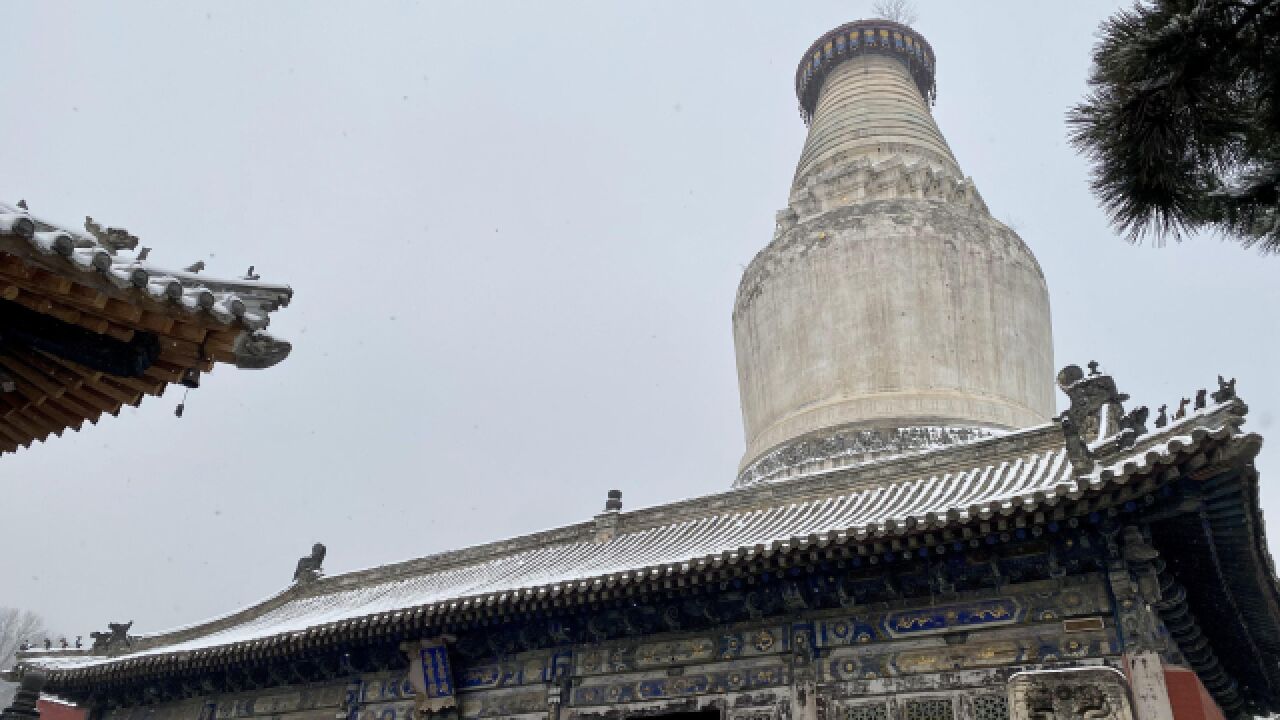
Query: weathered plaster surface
x=889, y=296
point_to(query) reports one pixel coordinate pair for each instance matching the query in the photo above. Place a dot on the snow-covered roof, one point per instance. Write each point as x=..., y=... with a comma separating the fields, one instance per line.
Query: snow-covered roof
x=84, y=258
x=77, y=285
x=1023, y=475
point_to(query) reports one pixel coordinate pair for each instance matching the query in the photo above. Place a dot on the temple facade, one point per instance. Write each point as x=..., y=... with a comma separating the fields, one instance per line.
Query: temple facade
x=913, y=533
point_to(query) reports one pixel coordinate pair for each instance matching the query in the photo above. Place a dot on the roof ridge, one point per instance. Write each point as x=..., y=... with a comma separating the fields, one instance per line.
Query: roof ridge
x=379, y=605
x=267, y=294
x=813, y=487
x=724, y=503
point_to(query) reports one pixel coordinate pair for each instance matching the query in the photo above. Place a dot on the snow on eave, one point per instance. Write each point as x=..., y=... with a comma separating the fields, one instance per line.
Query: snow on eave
x=1039, y=478
x=261, y=298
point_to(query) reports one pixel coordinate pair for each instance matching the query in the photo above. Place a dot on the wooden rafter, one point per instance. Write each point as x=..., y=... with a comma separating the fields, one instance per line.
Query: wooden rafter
x=174, y=323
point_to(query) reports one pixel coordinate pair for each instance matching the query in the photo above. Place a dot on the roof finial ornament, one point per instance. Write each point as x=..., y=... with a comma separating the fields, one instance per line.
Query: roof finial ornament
x=1163, y=418
x=899, y=11
x=1096, y=413
x=116, y=638
x=1226, y=390
x=1182, y=409
x=1077, y=450
x=112, y=239
x=1200, y=399
x=1096, y=405
x=257, y=350
x=614, y=503
x=1133, y=424
x=309, y=566
x=251, y=275
x=23, y=204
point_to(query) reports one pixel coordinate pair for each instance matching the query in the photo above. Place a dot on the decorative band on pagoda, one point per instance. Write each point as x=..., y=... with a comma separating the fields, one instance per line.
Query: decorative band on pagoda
x=863, y=37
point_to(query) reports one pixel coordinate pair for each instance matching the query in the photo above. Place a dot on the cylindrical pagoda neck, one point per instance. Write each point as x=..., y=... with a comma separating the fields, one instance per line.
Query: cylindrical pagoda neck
x=870, y=109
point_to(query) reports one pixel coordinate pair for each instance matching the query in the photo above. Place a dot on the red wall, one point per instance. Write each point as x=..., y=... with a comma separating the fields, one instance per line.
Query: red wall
x=1188, y=697
x=53, y=710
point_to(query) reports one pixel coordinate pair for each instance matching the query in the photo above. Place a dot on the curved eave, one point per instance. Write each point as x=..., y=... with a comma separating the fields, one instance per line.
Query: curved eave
x=78, y=260
x=197, y=322
x=1128, y=478
x=1218, y=553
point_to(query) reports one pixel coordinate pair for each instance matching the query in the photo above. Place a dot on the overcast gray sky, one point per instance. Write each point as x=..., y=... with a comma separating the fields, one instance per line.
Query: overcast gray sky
x=515, y=231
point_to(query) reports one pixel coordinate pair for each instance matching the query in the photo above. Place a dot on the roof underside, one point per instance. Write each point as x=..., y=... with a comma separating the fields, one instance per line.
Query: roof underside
x=86, y=328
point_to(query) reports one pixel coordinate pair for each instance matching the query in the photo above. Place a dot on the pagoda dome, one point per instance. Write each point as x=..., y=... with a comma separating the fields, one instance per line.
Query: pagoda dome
x=891, y=311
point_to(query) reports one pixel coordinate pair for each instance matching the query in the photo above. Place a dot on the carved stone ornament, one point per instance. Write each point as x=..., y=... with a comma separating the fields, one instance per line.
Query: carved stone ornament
x=1132, y=424
x=1096, y=405
x=1226, y=390
x=431, y=676
x=1092, y=693
x=309, y=566
x=258, y=350
x=1077, y=449
x=115, y=640
x=1096, y=412
x=112, y=238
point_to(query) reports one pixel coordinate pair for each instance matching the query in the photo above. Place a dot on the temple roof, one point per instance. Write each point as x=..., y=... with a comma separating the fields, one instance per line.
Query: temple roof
x=902, y=502
x=89, y=325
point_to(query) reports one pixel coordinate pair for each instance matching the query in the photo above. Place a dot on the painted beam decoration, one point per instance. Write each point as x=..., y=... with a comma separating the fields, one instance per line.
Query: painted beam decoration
x=882, y=37
x=431, y=676
x=918, y=622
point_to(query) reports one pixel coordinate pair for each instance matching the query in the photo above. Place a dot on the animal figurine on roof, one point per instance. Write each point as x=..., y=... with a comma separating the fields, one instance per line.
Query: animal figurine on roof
x=1097, y=406
x=120, y=632
x=116, y=638
x=309, y=566
x=1226, y=390
x=111, y=238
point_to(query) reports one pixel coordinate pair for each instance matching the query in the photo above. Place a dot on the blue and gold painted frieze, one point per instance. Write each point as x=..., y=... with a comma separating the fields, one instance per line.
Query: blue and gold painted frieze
x=858, y=38
x=524, y=669
x=618, y=657
x=505, y=703
x=404, y=710
x=1010, y=648
x=274, y=702
x=998, y=611
x=302, y=702
x=386, y=689
x=382, y=697
x=1026, y=607
x=732, y=679
x=1019, y=627
x=392, y=699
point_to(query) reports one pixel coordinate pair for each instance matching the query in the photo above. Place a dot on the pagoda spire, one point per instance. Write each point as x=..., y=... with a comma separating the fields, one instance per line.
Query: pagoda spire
x=865, y=91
